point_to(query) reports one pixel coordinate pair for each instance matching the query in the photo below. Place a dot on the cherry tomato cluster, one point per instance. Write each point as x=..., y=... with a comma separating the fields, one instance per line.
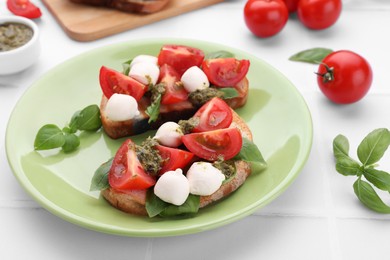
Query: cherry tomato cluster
x=265, y=18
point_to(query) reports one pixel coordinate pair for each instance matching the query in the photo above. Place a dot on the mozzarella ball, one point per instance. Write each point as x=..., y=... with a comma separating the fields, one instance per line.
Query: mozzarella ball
x=169, y=134
x=144, y=58
x=172, y=187
x=204, y=178
x=194, y=78
x=145, y=72
x=121, y=107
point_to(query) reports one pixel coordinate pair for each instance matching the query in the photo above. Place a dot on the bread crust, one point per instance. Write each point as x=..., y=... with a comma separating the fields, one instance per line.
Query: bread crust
x=134, y=201
x=131, y=6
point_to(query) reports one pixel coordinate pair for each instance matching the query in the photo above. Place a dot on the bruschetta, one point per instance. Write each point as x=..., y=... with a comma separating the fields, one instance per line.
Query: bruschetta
x=185, y=166
x=168, y=87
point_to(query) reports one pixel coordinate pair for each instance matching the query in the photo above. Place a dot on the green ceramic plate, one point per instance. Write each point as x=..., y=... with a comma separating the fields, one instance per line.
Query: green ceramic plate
x=275, y=111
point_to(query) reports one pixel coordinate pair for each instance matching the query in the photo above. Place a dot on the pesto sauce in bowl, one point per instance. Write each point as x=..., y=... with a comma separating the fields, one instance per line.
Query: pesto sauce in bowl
x=14, y=35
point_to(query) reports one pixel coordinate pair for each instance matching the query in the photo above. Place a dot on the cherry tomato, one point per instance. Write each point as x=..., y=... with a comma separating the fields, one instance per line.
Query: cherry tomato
x=127, y=172
x=225, y=72
x=292, y=5
x=319, y=14
x=213, y=145
x=344, y=77
x=180, y=57
x=173, y=158
x=24, y=8
x=265, y=18
x=174, y=92
x=213, y=115
x=112, y=81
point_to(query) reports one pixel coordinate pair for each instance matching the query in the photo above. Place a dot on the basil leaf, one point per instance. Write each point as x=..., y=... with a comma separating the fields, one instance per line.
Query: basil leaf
x=218, y=54
x=250, y=153
x=89, y=118
x=153, y=110
x=71, y=143
x=229, y=92
x=380, y=179
x=347, y=166
x=190, y=206
x=314, y=55
x=126, y=67
x=155, y=206
x=373, y=146
x=100, y=178
x=369, y=197
x=340, y=146
x=73, y=122
x=48, y=137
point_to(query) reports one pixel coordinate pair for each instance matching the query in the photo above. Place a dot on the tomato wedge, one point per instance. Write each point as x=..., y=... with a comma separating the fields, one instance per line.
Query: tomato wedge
x=174, y=93
x=173, y=158
x=213, y=115
x=225, y=72
x=213, y=145
x=180, y=57
x=126, y=172
x=24, y=8
x=112, y=81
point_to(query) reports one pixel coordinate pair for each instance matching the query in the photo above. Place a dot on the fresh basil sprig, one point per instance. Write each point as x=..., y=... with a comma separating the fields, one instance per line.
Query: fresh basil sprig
x=51, y=136
x=369, y=152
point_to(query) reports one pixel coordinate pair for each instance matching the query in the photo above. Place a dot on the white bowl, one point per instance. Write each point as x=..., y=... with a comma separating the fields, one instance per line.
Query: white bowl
x=24, y=56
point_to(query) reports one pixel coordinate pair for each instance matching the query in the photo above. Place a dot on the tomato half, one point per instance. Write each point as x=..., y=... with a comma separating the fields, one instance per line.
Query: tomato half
x=180, y=57
x=319, y=14
x=127, y=172
x=213, y=145
x=173, y=158
x=24, y=8
x=344, y=77
x=265, y=18
x=174, y=93
x=213, y=115
x=225, y=72
x=112, y=81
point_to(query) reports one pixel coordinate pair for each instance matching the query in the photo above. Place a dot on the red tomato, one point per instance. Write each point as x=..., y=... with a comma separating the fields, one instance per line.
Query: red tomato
x=213, y=145
x=24, y=8
x=225, y=72
x=344, y=77
x=292, y=5
x=180, y=57
x=112, y=81
x=174, y=93
x=265, y=18
x=213, y=115
x=127, y=172
x=173, y=158
x=319, y=14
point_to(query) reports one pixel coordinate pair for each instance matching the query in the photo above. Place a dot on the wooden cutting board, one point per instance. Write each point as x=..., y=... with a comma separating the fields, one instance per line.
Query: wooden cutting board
x=88, y=23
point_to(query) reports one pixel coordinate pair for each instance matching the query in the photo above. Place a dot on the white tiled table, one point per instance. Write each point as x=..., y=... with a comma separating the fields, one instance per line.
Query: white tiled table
x=318, y=217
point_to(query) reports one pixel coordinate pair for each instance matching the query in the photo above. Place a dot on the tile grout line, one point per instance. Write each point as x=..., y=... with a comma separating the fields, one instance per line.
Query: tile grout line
x=149, y=249
x=334, y=240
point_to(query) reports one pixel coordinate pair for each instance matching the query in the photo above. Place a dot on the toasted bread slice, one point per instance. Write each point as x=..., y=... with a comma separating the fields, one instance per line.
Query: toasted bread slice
x=173, y=112
x=134, y=201
x=132, y=6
